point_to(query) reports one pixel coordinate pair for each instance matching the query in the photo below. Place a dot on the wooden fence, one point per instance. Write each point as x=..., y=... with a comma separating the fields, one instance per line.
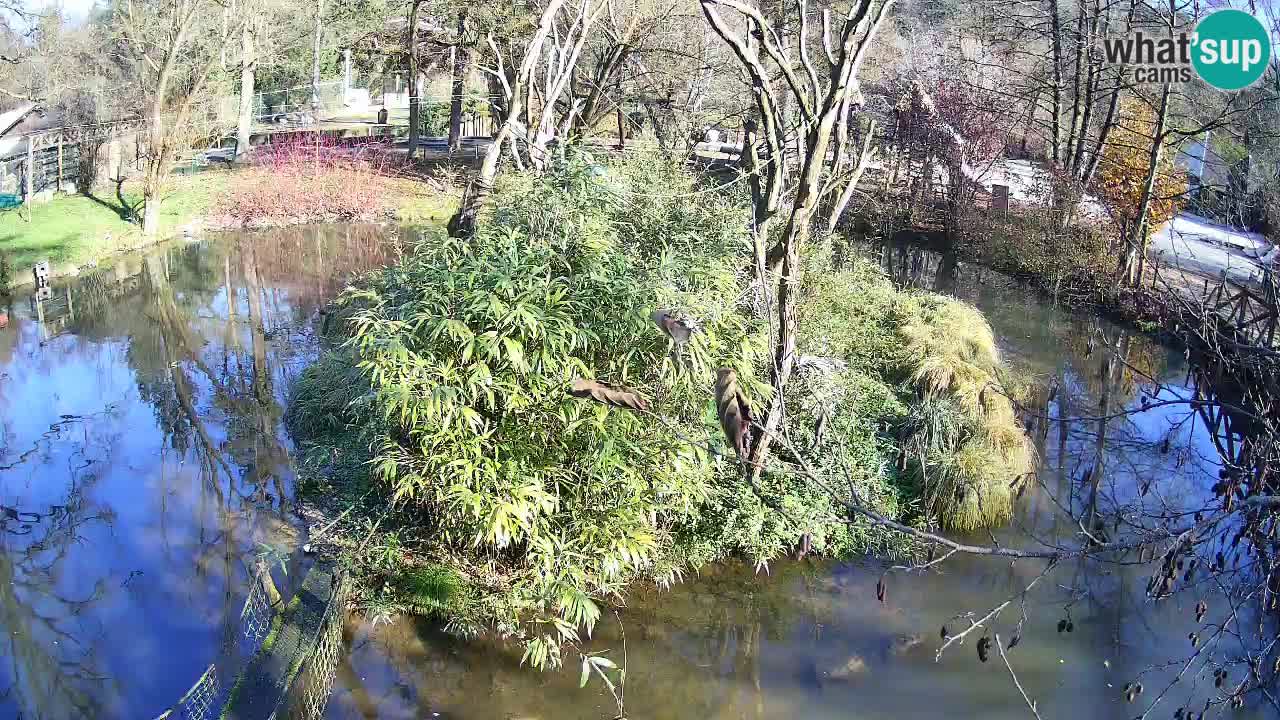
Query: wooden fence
x=55, y=160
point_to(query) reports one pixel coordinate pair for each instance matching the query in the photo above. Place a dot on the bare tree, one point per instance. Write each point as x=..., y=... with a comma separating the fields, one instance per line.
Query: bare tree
x=175, y=67
x=517, y=88
x=781, y=72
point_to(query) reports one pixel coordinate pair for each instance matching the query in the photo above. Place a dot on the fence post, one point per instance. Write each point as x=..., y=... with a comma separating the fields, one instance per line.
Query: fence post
x=59, y=162
x=31, y=169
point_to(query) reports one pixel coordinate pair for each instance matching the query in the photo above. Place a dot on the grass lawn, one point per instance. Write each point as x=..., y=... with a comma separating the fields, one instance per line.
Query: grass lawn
x=72, y=230
x=417, y=203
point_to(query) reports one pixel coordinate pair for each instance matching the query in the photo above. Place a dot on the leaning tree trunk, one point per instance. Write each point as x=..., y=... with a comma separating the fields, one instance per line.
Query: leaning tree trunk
x=863, y=159
x=463, y=222
x=461, y=63
x=1136, y=246
x=248, y=66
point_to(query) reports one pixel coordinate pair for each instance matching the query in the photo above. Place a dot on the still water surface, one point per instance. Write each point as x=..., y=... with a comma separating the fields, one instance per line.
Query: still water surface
x=144, y=468
x=143, y=463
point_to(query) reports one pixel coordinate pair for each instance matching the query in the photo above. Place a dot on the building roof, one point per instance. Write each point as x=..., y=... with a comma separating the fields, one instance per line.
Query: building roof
x=24, y=120
x=11, y=119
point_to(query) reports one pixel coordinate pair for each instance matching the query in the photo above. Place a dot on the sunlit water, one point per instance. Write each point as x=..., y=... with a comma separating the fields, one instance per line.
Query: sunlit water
x=144, y=469
x=809, y=639
x=144, y=466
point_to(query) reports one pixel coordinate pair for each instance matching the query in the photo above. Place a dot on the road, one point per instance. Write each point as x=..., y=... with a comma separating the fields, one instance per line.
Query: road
x=1194, y=244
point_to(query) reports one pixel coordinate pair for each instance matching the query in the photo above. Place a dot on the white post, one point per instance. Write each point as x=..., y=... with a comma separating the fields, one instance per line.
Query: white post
x=31, y=169
x=346, y=75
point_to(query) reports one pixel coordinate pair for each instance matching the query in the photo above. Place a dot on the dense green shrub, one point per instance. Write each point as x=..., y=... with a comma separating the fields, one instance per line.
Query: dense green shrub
x=1032, y=243
x=467, y=351
x=528, y=505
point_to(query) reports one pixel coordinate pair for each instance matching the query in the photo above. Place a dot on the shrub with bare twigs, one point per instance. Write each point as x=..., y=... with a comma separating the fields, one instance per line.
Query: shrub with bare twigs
x=310, y=178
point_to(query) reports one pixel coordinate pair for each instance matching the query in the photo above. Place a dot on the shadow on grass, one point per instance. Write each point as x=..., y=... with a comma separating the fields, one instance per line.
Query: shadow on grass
x=126, y=213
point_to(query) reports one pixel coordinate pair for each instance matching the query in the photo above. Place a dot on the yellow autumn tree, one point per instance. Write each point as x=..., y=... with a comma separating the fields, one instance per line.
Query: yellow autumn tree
x=1122, y=178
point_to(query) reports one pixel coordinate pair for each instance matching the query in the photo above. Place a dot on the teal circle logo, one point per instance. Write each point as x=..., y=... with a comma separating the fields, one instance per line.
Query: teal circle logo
x=1232, y=49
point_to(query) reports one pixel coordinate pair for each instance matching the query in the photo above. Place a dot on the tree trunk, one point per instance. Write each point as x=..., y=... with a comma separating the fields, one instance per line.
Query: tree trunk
x=315, y=56
x=864, y=158
x=150, y=208
x=795, y=236
x=415, y=106
x=1055, y=42
x=461, y=63
x=1137, y=241
x=463, y=222
x=157, y=164
x=248, y=65
x=1076, y=93
x=1108, y=123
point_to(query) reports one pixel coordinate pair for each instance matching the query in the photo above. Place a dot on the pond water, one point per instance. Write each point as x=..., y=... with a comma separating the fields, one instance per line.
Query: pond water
x=809, y=640
x=143, y=464
x=144, y=469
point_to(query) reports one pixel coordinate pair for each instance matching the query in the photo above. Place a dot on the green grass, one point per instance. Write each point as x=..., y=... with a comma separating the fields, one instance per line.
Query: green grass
x=420, y=204
x=73, y=230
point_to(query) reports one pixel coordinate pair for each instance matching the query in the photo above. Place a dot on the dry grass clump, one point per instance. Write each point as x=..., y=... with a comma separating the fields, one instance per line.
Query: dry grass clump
x=942, y=398
x=951, y=352
x=966, y=448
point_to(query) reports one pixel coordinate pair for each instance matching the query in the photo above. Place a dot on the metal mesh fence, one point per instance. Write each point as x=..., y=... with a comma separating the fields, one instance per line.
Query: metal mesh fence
x=201, y=702
x=279, y=103
x=255, y=618
x=307, y=695
x=205, y=698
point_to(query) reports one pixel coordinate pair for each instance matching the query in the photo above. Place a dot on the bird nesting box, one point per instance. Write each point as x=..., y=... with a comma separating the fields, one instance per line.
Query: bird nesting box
x=41, y=274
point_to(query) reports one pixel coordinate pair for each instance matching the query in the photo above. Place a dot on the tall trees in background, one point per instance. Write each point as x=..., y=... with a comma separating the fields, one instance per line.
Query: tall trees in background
x=1047, y=58
x=459, y=66
x=415, y=99
x=1138, y=179
x=248, y=83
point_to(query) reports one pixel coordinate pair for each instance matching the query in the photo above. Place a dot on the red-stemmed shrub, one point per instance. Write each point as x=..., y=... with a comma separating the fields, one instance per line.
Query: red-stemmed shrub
x=310, y=177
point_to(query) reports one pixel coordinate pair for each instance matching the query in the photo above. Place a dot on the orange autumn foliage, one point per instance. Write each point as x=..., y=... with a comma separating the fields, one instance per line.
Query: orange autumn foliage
x=1122, y=172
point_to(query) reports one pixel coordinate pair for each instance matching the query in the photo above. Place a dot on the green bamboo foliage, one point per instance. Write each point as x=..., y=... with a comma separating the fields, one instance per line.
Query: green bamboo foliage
x=506, y=378
x=561, y=400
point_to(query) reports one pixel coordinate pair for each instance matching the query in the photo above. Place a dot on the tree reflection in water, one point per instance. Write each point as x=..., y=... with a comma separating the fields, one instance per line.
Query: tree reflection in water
x=129, y=530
